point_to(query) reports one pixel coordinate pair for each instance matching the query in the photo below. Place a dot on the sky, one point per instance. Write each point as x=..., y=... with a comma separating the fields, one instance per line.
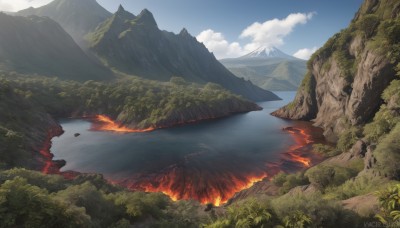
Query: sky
x=232, y=28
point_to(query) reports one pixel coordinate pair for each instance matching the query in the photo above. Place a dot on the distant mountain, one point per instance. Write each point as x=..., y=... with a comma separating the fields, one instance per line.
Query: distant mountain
x=265, y=52
x=38, y=45
x=134, y=45
x=268, y=68
x=77, y=17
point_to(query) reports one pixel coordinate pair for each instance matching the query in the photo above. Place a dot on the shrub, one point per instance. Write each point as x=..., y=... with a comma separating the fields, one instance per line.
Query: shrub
x=325, y=150
x=368, y=24
x=322, y=212
x=348, y=138
x=297, y=220
x=390, y=206
x=52, y=183
x=323, y=176
x=25, y=205
x=97, y=206
x=178, y=81
x=279, y=179
x=250, y=213
x=360, y=185
x=383, y=123
x=293, y=180
x=392, y=94
x=387, y=154
x=139, y=205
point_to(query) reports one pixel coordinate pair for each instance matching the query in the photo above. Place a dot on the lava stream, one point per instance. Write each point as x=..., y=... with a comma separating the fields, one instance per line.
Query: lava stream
x=107, y=124
x=302, y=139
x=179, y=184
x=49, y=167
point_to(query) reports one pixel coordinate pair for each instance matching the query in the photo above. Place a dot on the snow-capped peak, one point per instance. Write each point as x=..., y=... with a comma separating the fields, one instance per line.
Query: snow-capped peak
x=267, y=52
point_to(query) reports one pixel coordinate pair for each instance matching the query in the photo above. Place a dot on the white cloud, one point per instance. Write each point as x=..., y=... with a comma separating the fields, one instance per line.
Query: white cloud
x=216, y=43
x=268, y=34
x=305, y=53
x=271, y=32
x=16, y=5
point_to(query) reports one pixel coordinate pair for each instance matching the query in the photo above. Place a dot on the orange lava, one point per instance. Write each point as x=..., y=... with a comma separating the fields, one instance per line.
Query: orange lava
x=204, y=190
x=49, y=166
x=302, y=139
x=303, y=160
x=107, y=124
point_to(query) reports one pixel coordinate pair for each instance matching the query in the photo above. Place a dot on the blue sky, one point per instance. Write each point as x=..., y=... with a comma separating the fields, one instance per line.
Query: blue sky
x=223, y=22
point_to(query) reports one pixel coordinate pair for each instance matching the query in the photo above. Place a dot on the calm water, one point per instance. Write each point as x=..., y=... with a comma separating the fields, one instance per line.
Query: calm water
x=239, y=145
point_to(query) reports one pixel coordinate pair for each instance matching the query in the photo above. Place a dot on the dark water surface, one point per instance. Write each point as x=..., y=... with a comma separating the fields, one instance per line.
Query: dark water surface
x=239, y=146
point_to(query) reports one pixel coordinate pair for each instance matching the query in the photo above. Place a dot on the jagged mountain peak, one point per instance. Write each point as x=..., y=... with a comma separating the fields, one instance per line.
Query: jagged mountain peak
x=120, y=8
x=267, y=52
x=138, y=47
x=123, y=14
x=184, y=33
x=146, y=17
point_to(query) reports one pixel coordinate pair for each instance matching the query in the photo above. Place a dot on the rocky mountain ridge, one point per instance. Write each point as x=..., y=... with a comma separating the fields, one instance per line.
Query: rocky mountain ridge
x=135, y=45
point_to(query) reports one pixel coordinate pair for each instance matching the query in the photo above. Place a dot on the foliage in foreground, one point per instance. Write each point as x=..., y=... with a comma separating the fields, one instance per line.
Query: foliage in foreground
x=31, y=199
x=299, y=210
x=389, y=200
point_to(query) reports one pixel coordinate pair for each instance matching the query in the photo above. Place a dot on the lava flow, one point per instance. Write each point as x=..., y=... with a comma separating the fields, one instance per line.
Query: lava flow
x=205, y=186
x=45, y=152
x=107, y=124
x=218, y=180
x=50, y=166
x=302, y=139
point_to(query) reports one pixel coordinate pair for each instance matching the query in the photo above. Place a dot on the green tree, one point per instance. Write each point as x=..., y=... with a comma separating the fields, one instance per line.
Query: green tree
x=25, y=205
x=368, y=24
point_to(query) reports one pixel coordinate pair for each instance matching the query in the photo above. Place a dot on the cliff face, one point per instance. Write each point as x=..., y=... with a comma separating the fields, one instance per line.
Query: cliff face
x=347, y=76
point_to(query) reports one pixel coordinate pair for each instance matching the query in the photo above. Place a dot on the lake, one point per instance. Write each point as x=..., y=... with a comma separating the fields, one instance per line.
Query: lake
x=208, y=161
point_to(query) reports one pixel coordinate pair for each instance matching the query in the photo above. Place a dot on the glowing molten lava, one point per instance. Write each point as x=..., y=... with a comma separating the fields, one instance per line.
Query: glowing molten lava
x=107, y=124
x=302, y=139
x=204, y=187
x=45, y=152
x=50, y=166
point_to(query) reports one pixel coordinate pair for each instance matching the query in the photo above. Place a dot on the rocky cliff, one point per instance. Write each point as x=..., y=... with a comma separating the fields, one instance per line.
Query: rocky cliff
x=347, y=76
